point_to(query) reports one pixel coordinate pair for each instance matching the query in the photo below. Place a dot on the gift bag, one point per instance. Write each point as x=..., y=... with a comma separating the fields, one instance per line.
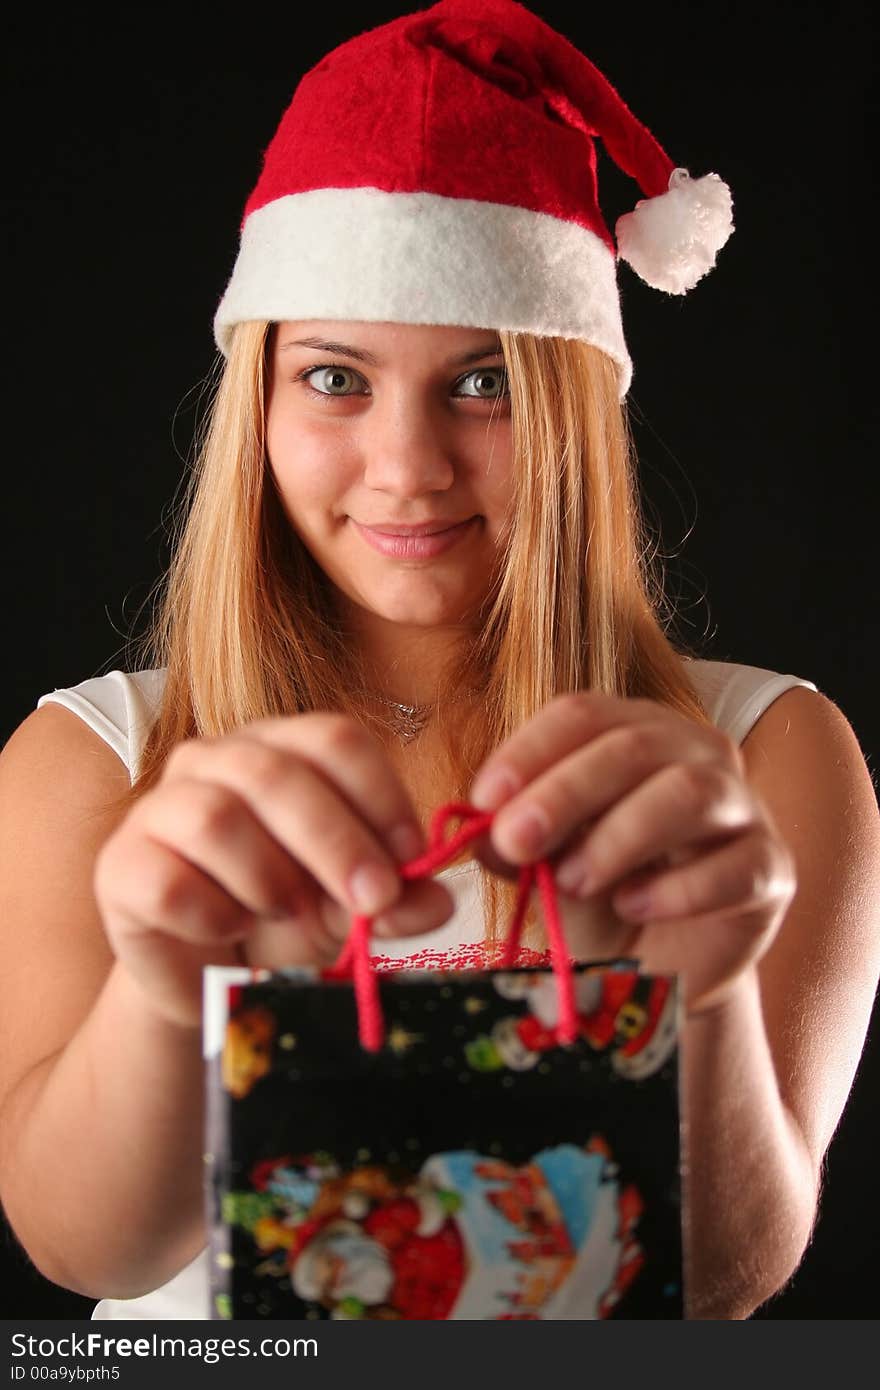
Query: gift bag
x=480, y=1144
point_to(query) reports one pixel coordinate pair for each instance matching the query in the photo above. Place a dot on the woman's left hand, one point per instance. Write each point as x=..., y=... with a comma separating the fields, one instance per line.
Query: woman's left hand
x=627, y=797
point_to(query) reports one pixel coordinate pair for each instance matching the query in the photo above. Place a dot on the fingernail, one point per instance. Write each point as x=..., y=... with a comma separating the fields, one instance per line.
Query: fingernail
x=493, y=788
x=569, y=875
x=634, y=905
x=372, y=887
x=578, y=876
x=529, y=827
x=407, y=919
x=407, y=842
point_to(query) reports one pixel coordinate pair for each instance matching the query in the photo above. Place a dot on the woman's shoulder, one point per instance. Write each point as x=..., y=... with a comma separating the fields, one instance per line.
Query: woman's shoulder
x=735, y=695
x=119, y=707
x=114, y=688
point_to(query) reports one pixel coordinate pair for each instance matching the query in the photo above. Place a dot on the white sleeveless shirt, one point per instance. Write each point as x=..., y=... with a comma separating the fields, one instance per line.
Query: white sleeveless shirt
x=120, y=708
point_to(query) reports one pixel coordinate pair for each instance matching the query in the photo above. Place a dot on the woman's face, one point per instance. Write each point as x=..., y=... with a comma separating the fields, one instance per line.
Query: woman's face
x=393, y=426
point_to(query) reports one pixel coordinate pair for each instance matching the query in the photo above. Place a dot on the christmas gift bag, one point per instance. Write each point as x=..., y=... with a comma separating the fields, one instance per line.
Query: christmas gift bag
x=480, y=1144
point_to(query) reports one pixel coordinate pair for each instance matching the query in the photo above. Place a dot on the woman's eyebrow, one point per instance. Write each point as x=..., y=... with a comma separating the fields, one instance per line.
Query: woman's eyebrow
x=492, y=349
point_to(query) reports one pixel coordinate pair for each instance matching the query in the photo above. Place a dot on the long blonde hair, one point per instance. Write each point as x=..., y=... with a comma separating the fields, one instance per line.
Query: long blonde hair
x=246, y=627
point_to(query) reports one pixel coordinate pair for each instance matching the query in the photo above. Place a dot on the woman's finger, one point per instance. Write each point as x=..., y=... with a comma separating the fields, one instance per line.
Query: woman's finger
x=278, y=943
x=216, y=830
x=568, y=723
x=674, y=811
x=424, y=905
x=306, y=813
x=750, y=871
x=354, y=761
x=584, y=785
x=175, y=897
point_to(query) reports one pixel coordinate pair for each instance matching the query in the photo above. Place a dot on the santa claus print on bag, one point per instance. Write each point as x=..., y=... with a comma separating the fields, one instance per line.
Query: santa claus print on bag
x=474, y=1168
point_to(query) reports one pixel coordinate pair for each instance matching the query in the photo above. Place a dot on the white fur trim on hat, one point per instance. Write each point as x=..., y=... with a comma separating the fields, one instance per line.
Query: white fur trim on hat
x=365, y=255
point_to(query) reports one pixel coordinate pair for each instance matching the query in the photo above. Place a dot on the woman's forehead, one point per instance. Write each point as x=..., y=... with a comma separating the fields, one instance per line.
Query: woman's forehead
x=379, y=340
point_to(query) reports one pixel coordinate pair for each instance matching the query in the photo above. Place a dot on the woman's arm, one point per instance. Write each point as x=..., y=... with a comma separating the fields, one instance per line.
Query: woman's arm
x=767, y=1075
x=271, y=835
x=100, y=1098
x=750, y=1184
x=752, y=873
x=101, y=1160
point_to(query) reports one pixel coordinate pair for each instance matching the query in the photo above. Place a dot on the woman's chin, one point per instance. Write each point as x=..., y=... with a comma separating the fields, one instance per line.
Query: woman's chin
x=412, y=609
x=418, y=617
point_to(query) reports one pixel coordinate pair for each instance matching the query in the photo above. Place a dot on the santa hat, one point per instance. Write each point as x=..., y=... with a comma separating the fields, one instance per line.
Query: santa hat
x=441, y=169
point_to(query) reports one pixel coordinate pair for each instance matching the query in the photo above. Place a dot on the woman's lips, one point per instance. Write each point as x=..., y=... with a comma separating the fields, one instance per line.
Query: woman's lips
x=415, y=547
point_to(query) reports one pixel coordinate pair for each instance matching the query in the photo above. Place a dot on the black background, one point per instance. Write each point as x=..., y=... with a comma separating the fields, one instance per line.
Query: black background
x=132, y=143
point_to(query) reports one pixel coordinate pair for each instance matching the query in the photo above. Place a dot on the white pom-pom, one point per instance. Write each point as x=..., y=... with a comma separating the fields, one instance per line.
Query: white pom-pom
x=671, y=241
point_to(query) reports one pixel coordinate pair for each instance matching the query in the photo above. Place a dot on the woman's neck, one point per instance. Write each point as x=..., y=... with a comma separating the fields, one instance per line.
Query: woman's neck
x=407, y=665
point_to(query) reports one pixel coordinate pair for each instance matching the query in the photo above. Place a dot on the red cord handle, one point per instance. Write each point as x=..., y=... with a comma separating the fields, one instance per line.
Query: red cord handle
x=354, y=960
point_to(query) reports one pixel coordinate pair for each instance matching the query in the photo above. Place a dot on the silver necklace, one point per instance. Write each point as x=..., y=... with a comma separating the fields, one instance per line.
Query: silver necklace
x=408, y=721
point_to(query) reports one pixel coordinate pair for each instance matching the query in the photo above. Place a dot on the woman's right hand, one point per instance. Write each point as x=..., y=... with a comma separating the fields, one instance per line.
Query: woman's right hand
x=257, y=848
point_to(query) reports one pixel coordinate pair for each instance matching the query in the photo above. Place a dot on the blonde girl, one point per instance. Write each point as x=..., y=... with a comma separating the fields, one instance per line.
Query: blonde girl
x=413, y=568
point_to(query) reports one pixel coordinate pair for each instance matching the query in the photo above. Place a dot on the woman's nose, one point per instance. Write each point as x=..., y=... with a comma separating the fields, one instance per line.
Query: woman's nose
x=405, y=449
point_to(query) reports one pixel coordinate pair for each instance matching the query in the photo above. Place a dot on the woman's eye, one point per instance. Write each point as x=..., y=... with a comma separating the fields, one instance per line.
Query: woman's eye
x=486, y=383
x=333, y=381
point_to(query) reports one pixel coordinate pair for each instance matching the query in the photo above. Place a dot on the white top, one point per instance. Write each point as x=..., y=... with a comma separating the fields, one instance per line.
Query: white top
x=120, y=708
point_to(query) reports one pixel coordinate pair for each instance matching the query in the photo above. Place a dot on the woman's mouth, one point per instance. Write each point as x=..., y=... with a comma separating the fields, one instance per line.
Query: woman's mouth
x=407, y=546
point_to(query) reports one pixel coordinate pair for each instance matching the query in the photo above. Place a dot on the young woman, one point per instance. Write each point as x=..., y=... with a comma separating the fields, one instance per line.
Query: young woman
x=414, y=569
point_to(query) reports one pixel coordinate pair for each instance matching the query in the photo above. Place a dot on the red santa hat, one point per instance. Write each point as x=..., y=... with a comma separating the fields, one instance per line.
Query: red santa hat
x=441, y=169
